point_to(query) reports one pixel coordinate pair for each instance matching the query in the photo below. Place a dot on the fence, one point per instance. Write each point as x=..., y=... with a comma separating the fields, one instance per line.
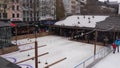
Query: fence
x=93, y=59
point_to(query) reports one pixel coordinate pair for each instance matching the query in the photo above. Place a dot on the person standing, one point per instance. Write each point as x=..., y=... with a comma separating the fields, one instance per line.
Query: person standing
x=114, y=47
x=117, y=42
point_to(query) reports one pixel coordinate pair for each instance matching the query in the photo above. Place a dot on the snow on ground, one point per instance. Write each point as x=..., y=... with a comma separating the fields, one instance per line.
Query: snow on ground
x=110, y=61
x=81, y=20
x=58, y=48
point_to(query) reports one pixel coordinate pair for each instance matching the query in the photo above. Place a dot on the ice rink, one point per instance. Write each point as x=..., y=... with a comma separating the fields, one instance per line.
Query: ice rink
x=110, y=61
x=57, y=48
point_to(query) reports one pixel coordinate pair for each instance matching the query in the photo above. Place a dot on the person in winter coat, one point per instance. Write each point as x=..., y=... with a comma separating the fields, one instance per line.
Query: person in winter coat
x=117, y=42
x=114, y=47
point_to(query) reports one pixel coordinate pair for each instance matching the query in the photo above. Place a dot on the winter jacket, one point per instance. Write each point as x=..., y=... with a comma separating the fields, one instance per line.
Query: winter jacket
x=117, y=42
x=113, y=45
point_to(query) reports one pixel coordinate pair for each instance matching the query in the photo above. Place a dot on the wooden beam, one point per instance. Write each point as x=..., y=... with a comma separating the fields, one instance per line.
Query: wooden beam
x=55, y=62
x=32, y=48
x=114, y=36
x=32, y=58
x=96, y=34
x=16, y=34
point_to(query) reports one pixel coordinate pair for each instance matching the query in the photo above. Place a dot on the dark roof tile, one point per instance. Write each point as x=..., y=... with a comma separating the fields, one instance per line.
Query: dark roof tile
x=112, y=23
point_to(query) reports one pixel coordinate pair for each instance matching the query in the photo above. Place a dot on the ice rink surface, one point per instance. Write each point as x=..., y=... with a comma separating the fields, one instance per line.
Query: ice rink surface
x=110, y=61
x=58, y=48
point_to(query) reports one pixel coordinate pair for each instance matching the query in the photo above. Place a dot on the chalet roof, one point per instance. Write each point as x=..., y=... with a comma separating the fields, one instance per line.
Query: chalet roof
x=111, y=23
x=88, y=21
x=3, y=24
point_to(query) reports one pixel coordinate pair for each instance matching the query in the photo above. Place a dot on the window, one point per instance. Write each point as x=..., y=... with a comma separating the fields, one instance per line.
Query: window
x=5, y=6
x=13, y=15
x=13, y=7
x=4, y=15
x=31, y=19
x=17, y=7
x=27, y=19
x=17, y=1
x=13, y=1
x=0, y=6
x=24, y=19
x=18, y=15
x=30, y=14
x=30, y=1
x=0, y=15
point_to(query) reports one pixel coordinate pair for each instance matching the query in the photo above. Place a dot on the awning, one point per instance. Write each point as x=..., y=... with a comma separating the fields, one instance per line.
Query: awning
x=12, y=24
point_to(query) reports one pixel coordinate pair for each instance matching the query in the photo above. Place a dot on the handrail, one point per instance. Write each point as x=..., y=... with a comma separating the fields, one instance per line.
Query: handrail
x=94, y=57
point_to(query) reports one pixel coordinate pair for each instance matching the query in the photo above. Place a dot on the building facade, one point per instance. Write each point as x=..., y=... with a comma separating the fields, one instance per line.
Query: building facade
x=73, y=6
x=44, y=9
x=70, y=6
x=15, y=10
x=47, y=10
x=27, y=6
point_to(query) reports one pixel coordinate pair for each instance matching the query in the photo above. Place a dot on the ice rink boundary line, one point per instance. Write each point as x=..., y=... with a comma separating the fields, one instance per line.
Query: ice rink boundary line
x=32, y=58
x=29, y=66
x=12, y=59
x=32, y=48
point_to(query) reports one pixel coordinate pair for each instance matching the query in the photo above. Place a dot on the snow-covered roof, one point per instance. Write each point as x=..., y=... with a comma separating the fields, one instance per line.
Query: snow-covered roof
x=82, y=20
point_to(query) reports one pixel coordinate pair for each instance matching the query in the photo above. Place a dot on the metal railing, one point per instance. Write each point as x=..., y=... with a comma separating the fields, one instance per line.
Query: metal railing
x=99, y=55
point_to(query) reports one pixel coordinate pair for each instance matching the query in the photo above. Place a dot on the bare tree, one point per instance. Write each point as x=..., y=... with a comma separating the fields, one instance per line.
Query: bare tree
x=60, y=11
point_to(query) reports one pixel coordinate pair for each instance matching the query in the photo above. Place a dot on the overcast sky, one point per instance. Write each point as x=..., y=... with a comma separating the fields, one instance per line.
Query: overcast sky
x=110, y=0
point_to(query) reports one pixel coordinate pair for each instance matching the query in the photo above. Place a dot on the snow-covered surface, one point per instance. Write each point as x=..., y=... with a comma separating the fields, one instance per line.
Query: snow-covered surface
x=84, y=20
x=110, y=61
x=58, y=48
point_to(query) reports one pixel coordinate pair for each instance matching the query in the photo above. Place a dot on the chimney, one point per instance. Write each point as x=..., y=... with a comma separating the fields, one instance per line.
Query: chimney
x=119, y=9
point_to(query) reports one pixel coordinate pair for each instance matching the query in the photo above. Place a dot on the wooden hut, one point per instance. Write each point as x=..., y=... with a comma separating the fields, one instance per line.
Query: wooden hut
x=5, y=38
x=78, y=27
